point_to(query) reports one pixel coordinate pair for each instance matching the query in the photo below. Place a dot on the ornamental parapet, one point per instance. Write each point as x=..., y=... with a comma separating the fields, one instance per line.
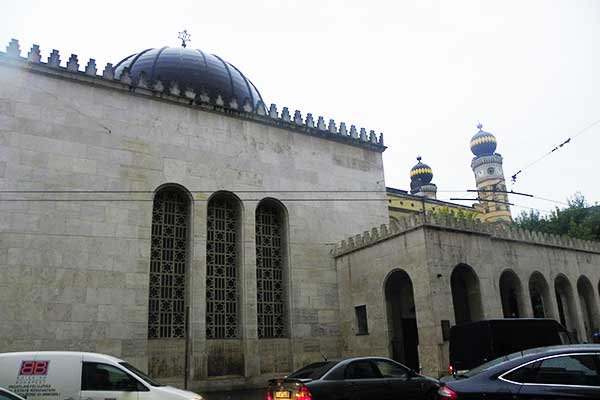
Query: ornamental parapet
x=494, y=158
x=186, y=96
x=448, y=222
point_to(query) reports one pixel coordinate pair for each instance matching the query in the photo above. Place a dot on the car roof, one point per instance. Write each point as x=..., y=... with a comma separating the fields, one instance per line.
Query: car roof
x=89, y=356
x=539, y=352
x=563, y=348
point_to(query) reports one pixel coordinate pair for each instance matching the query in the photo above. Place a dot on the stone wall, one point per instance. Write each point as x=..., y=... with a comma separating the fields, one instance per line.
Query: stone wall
x=429, y=248
x=80, y=158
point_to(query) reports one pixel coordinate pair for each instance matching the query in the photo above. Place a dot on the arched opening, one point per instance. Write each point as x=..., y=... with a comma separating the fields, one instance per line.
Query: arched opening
x=271, y=269
x=566, y=304
x=511, y=295
x=589, y=307
x=466, y=295
x=223, y=248
x=402, y=319
x=168, y=263
x=541, y=303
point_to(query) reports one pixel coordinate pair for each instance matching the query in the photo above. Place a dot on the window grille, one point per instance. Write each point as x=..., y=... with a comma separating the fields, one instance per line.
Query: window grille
x=221, y=270
x=269, y=273
x=166, y=314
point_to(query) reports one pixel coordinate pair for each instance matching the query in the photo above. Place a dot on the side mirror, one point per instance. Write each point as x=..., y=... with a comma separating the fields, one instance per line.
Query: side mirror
x=412, y=373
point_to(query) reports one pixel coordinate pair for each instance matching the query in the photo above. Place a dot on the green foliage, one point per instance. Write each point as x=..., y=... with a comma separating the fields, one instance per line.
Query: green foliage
x=578, y=220
x=460, y=214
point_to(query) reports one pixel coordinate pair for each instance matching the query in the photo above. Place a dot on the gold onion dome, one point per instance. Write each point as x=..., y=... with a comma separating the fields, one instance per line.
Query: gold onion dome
x=483, y=143
x=420, y=174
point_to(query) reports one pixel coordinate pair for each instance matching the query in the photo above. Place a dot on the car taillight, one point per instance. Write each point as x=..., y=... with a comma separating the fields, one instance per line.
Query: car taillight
x=304, y=394
x=269, y=397
x=445, y=393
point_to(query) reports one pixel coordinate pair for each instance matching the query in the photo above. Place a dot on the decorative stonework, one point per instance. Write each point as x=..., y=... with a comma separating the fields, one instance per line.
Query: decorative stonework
x=222, y=270
x=500, y=231
x=269, y=274
x=166, y=313
x=477, y=161
x=202, y=101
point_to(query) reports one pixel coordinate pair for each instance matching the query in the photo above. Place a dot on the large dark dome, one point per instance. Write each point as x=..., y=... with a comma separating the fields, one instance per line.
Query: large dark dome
x=194, y=69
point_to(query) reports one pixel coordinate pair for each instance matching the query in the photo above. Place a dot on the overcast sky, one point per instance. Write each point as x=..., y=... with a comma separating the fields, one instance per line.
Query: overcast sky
x=423, y=72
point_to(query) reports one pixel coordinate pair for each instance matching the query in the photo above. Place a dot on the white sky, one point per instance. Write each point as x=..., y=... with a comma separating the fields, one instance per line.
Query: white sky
x=423, y=72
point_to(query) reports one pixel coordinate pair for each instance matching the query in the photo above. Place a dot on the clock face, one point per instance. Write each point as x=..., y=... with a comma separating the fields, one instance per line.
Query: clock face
x=491, y=170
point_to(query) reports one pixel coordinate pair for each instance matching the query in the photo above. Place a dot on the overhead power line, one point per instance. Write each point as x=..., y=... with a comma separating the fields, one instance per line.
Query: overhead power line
x=567, y=141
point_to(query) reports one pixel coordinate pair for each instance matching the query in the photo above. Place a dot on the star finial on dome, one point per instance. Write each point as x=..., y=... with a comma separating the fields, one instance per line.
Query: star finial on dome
x=185, y=37
x=479, y=126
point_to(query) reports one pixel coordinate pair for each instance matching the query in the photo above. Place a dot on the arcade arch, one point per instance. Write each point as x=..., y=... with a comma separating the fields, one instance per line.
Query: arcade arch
x=402, y=319
x=466, y=294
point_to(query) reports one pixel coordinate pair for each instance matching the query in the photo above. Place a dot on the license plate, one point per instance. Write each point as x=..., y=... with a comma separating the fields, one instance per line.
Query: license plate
x=282, y=394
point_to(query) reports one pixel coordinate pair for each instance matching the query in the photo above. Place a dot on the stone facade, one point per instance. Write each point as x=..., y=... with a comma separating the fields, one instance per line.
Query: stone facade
x=84, y=158
x=81, y=157
x=431, y=249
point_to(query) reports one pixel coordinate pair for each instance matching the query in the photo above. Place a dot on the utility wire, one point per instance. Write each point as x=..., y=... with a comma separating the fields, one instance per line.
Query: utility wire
x=196, y=200
x=514, y=177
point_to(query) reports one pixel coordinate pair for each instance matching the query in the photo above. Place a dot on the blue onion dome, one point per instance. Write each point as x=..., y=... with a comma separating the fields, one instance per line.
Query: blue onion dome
x=420, y=174
x=483, y=143
x=205, y=73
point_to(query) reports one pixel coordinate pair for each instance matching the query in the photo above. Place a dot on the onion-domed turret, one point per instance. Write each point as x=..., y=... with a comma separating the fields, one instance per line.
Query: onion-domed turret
x=483, y=143
x=421, y=174
x=205, y=73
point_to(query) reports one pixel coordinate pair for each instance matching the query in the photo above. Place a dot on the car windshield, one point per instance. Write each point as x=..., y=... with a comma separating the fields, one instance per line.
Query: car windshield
x=139, y=373
x=496, y=361
x=312, y=371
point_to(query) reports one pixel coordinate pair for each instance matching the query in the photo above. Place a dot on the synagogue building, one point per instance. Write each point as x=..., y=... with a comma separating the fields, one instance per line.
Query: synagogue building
x=157, y=209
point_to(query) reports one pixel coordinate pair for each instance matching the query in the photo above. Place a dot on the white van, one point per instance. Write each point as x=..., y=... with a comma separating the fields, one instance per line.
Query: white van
x=65, y=375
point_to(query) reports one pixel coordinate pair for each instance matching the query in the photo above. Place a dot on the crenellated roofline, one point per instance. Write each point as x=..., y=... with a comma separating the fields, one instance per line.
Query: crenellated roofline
x=188, y=97
x=451, y=223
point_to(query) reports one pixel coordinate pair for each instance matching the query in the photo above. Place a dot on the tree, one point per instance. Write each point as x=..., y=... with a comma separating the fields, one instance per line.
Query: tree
x=458, y=214
x=578, y=220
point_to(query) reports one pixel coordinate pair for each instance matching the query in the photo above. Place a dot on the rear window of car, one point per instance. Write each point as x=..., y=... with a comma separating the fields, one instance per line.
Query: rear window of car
x=313, y=371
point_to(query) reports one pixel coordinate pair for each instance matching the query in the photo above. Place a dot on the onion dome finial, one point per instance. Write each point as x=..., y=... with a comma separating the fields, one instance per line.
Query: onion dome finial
x=483, y=143
x=421, y=174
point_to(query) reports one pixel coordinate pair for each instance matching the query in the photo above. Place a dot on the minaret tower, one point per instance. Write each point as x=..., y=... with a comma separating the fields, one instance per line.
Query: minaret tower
x=489, y=176
x=420, y=180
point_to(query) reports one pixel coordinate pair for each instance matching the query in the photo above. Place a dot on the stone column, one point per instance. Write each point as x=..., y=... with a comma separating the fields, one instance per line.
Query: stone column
x=249, y=331
x=197, y=291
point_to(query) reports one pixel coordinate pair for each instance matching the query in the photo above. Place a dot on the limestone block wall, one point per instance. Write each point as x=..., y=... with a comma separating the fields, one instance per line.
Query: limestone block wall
x=80, y=159
x=429, y=249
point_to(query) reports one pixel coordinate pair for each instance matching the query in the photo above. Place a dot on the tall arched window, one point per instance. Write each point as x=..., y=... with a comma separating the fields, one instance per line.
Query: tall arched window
x=270, y=269
x=222, y=260
x=168, y=253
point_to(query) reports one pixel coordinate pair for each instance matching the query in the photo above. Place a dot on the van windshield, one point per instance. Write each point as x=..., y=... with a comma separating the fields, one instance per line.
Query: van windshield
x=139, y=373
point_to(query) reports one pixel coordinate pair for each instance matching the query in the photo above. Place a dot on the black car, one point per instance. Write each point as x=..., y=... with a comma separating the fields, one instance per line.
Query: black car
x=555, y=372
x=366, y=378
